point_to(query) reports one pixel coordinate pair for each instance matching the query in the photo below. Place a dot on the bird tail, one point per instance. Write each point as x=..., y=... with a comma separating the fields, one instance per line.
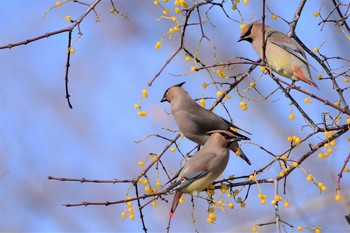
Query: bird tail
x=176, y=200
x=235, y=148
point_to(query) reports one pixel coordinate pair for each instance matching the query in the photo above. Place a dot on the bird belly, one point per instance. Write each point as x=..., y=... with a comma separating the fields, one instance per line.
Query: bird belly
x=280, y=61
x=200, y=184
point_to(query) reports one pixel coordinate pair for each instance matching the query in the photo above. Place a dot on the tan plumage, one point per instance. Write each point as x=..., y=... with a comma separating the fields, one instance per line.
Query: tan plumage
x=195, y=121
x=283, y=55
x=204, y=167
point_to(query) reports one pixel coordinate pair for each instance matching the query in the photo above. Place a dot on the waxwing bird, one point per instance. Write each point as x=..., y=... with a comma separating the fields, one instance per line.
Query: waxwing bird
x=204, y=167
x=195, y=121
x=283, y=55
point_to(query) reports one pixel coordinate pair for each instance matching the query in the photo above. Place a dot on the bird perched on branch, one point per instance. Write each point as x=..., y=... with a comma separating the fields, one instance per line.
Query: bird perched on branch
x=204, y=167
x=195, y=121
x=283, y=55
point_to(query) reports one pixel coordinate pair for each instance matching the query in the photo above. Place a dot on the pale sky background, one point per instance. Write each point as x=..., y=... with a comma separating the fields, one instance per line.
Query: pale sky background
x=114, y=61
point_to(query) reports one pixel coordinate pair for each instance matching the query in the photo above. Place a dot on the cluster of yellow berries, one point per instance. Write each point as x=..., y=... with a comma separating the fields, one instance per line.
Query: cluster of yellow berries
x=262, y=197
x=138, y=106
x=129, y=211
x=294, y=139
x=243, y=106
x=320, y=185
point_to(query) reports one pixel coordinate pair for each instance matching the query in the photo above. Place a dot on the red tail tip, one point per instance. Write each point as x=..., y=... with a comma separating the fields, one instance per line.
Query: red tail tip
x=171, y=214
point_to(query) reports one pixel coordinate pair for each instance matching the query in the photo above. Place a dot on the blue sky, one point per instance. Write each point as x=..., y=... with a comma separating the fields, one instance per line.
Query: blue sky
x=114, y=60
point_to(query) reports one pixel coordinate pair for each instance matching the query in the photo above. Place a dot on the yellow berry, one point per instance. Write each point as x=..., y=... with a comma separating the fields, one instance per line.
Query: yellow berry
x=58, y=3
x=123, y=214
x=148, y=190
x=346, y=79
x=142, y=113
x=274, y=17
x=333, y=142
x=177, y=10
x=317, y=230
x=251, y=177
x=228, y=96
x=273, y=202
x=263, y=201
x=182, y=200
x=202, y=102
x=292, y=116
x=219, y=93
x=172, y=149
x=156, y=2
x=174, y=19
x=309, y=178
x=72, y=50
x=237, y=1
x=316, y=13
x=262, y=69
x=286, y=204
x=155, y=158
x=131, y=217
x=165, y=11
x=252, y=84
x=145, y=182
x=239, y=199
x=154, y=203
x=337, y=104
x=316, y=50
x=307, y=100
x=297, y=141
x=242, y=26
x=188, y=58
x=137, y=106
x=158, y=184
x=229, y=195
x=319, y=77
x=141, y=163
x=295, y=164
x=144, y=93
x=231, y=205
x=140, y=180
x=158, y=45
x=212, y=216
x=68, y=18
x=319, y=184
x=234, y=7
x=324, y=188
x=346, y=169
x=130, y=209
x=193, y=68
x=243, y=205
x=300, y=228
x=254, y=229
x=245, y=2
x=281, y=174
x=338, y=197
x=290, y=139
x=236, y=192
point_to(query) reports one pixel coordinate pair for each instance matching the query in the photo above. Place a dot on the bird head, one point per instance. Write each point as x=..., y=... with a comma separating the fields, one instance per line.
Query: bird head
x=224, y=136
x=168, y=95
x=246, y=33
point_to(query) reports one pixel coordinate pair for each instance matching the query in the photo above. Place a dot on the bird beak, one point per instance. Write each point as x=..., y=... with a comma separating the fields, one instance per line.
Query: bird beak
x=164, y=99
x=240, y=39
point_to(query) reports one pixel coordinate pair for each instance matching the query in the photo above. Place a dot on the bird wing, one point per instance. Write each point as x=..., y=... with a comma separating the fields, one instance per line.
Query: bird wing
x=186, y=180
x=292, y=48
x=211, y=121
